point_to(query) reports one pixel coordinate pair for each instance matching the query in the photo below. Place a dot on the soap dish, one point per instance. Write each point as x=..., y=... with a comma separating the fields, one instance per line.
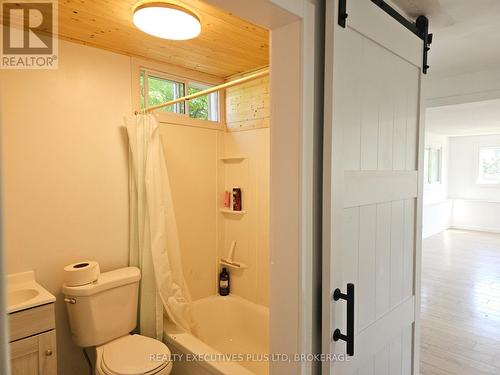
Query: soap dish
x=234, y=265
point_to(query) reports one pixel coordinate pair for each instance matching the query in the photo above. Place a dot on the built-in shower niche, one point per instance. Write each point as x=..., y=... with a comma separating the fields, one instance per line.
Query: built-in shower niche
x=230, y=171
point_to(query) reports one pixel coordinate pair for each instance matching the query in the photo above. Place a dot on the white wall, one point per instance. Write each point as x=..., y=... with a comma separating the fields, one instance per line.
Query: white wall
x=476, y=215
x=464, y=164
x=467, y=205
x=65, y=177
x=475, y=206
x=436, y=218
x=463, y=88
x=437, y=207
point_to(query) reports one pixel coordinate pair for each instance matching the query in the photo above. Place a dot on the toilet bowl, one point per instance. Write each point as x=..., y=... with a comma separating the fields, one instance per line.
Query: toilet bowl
x=102, y=314
x=133, y=355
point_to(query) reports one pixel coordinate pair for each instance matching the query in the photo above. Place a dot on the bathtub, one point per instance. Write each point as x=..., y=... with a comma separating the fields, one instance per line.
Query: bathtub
x=232, y=338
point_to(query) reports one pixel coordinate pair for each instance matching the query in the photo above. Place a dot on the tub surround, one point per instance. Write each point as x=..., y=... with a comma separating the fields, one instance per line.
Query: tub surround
x=193, y=181
x=219, y=160
x=249, y=229
x=244, y=161
x=236, y=154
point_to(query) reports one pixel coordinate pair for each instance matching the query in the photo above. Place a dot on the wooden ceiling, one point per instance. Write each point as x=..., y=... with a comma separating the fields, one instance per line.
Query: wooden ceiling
x=227, y=44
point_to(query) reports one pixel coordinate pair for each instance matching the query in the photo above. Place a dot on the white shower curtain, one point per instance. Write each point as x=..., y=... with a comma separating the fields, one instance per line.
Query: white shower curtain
x=154, y=242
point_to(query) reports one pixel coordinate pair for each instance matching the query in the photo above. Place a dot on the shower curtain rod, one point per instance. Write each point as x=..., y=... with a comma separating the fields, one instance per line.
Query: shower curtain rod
x=209, y=90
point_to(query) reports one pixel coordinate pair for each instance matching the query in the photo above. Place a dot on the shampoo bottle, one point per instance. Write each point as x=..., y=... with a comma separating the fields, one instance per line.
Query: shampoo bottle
x=224, y=282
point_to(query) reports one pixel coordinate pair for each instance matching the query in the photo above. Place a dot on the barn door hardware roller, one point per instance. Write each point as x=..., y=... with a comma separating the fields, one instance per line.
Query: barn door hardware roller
x=422, y=24
x=420, y=27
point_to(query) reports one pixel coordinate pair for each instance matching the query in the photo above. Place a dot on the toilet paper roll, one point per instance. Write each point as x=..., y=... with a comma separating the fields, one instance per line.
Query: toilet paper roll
x=81, y=273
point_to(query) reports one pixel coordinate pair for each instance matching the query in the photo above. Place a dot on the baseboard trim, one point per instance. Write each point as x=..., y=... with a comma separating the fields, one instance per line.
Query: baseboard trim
x=474, y=228
x=433, y=233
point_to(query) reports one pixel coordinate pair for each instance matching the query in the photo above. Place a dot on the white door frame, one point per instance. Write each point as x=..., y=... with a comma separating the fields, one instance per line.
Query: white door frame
x=4, y=332
x=293, y=95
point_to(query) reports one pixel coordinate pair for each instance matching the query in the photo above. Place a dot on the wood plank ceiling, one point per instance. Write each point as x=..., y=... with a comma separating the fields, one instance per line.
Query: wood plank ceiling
x=227, y=44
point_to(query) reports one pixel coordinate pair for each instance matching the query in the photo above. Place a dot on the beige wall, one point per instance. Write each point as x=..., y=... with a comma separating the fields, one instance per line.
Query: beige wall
x=65, y=171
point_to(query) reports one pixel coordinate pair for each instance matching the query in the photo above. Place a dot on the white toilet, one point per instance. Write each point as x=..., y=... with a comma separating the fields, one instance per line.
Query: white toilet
x=102, y=314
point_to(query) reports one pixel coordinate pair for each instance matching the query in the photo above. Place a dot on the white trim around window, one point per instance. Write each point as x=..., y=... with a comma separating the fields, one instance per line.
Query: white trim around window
x=480, y=178
x=178, y=74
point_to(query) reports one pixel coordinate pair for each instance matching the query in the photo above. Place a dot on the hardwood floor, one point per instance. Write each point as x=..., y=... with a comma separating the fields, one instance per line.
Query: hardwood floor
x=461, y=304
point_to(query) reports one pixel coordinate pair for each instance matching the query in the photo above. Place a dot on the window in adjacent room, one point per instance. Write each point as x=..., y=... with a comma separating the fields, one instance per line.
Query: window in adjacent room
x=432, y=165
x=489, y=165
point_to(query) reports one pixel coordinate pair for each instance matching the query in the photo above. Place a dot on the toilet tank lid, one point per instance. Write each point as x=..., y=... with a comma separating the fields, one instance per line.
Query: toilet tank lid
x=106, y=281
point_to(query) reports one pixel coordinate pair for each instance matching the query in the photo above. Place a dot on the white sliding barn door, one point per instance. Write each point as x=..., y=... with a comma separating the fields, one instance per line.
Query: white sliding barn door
x=372, y=200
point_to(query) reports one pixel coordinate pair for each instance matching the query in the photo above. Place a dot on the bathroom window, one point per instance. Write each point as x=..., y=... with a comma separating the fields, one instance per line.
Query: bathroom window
x=432, y=165
x=162, y=90
x=489, y=165
x=157, y=88
x=205, y=107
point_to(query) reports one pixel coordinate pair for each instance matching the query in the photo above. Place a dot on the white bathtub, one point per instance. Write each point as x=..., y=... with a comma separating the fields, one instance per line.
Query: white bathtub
x=232, y=338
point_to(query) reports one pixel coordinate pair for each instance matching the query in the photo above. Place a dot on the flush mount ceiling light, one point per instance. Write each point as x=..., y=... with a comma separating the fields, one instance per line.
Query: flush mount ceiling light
x=167, y=21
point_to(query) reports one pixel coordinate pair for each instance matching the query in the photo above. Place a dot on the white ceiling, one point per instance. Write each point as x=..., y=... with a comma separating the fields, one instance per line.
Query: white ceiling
x=466, y=33
x=466, y=40
x=465, y=119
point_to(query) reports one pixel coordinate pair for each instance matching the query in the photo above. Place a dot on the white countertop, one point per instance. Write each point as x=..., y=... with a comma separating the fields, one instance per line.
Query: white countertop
x=23, y=292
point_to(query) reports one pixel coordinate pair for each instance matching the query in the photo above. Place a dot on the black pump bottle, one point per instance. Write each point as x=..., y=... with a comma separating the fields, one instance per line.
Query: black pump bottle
x=224, y=282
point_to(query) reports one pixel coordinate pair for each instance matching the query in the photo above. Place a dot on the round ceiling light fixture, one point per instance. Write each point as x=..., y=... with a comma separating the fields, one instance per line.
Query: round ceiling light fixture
x=167, y=21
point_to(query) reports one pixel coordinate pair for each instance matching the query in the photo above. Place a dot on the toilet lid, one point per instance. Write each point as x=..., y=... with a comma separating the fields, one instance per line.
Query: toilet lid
x=134, y=355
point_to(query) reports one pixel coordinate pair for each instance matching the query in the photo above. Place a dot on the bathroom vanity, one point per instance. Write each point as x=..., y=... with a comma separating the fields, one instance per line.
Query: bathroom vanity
x=30, y=310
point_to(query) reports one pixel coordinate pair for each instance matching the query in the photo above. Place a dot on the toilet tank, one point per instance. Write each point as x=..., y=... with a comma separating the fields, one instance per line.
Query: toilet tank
x=105, y=309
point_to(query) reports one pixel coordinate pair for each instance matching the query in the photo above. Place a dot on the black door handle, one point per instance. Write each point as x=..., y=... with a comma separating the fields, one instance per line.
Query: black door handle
x=337, y=334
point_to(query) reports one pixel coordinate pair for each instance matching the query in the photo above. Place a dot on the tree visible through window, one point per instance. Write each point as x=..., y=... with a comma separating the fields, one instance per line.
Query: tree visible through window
x=204, y=107
x=162, y=90
x=489, y=165
x=156, y=89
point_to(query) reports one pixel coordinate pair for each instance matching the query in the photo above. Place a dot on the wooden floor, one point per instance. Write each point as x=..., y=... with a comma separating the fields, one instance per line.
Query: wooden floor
x=461, y=304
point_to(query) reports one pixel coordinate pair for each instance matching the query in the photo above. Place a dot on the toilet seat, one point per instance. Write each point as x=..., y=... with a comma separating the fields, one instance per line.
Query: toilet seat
x=133, y=355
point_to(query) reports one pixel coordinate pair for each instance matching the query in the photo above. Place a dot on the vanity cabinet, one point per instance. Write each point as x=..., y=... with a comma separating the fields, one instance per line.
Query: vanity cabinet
x=33, y=341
